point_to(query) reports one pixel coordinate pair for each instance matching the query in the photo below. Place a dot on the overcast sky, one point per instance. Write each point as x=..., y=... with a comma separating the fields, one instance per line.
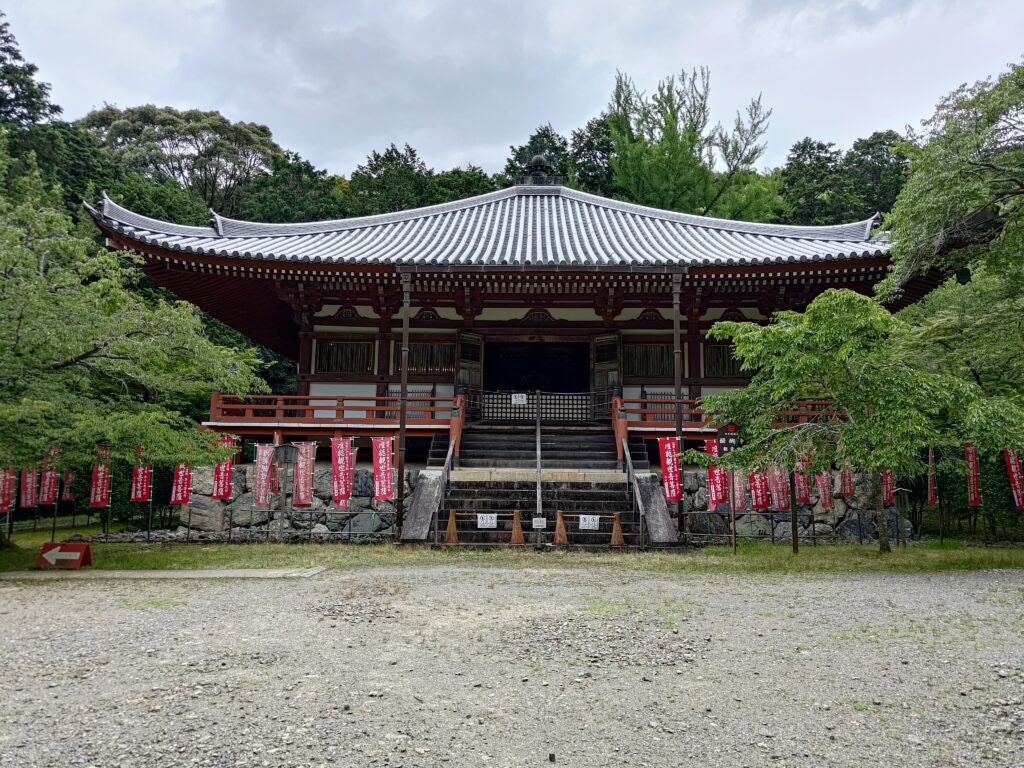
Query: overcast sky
x=462, y=80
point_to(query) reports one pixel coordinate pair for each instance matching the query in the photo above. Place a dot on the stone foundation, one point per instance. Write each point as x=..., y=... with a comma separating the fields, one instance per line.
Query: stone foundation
x=842, y=521
x=363, y=516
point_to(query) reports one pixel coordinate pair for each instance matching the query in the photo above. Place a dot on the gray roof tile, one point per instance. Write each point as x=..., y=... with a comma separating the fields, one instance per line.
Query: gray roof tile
x=524, y=225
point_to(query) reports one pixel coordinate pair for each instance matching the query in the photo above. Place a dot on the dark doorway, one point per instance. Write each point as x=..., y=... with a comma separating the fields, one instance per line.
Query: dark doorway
x=526, y=366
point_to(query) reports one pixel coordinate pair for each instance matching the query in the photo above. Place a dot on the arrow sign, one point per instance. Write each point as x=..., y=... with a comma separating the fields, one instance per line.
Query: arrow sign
x=53, y=555
x=64, y=555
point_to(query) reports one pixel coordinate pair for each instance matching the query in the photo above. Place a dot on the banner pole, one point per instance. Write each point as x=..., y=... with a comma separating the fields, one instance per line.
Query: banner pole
x=149, y=516
x=56, y=505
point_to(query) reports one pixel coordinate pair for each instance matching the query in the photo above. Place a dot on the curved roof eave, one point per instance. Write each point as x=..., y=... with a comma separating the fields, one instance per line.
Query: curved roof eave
x=592, y=233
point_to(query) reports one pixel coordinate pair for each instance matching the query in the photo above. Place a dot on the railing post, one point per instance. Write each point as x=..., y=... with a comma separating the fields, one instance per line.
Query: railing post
x=540, y=473
x=619, y=426
x=455, y=426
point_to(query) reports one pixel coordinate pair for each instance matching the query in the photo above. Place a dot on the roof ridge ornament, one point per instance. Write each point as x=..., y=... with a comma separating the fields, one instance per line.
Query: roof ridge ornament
x=540, y=172
x=215, y=223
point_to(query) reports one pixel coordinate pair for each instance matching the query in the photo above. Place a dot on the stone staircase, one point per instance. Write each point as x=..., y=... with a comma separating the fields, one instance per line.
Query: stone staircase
x=589, y=448
x=496, y=475
x=470, y=498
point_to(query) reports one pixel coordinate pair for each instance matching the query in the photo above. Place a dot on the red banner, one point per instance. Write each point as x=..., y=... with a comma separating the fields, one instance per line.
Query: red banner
x=302, y=475
x=67, y=494
x=6, y=490
x=29, y=488
x=933, y=491
x=824, y=482
x=383, y=482
x=99, y=489
x=739, y=490
x=222, y=473
x=181, y=484
x=142, y=483
x=973, y=481
x=778, y=486
x=759, y=494
x=718, y=479
x=1013, y=470
x=262, y=479
x=48, y=488
x=802, y=486
x=846, y=489
x=669, y=449
x=343, y=467
x=888, y=488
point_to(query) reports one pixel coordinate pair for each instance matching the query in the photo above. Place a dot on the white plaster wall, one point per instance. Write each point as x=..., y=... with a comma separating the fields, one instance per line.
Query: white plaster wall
x=341, y=389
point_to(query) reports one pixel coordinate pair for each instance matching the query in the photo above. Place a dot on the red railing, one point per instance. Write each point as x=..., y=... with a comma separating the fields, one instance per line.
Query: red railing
x=658, y=414
x=330, y=410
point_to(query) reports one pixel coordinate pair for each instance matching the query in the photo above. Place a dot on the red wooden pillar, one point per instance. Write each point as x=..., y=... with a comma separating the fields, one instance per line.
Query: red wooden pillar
x=694, y=347
x=305, y=360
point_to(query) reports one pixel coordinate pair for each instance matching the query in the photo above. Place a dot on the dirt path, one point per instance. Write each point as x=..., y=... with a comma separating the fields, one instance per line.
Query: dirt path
x=479, y=666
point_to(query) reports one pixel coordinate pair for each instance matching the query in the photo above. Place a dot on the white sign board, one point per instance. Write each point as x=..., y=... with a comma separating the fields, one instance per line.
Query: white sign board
x=489, y=520
x=590, y=522
x=540, y=523
x=518, y=398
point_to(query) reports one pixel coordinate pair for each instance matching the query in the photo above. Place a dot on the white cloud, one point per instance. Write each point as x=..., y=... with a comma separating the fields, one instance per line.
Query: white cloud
x=461, y=81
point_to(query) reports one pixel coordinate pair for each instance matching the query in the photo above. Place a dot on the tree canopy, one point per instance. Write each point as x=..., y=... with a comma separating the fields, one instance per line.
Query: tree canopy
x=964, y=200
x=24, y=100
x=884, y=407
x=667, y=154
x=85, y=359
x=203, y=152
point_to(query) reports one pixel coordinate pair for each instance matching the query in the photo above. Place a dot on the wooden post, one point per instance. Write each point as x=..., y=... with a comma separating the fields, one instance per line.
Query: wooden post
x=677, y=355
x=403, y=402
x=793, y=522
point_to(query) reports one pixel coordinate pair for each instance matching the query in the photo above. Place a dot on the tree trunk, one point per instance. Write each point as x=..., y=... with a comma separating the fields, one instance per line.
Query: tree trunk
x=883, y=528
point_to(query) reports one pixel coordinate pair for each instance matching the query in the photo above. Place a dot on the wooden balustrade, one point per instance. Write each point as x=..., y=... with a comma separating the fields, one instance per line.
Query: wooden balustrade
x=329, y=410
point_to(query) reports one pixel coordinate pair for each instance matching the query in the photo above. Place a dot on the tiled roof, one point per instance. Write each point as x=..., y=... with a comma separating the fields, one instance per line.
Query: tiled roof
x=522, y=226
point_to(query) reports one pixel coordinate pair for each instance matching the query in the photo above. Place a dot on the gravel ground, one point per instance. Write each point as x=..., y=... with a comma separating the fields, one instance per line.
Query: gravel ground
x=480, y=666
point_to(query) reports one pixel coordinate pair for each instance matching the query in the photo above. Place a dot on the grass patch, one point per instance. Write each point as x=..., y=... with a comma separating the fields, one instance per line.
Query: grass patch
x=753, y=557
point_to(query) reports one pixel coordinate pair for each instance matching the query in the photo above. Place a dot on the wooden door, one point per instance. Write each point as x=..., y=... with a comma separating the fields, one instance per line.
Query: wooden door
x=471, y=371
x=606, y=376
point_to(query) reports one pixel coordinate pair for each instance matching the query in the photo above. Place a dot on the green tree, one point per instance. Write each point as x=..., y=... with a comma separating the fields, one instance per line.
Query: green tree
x=667, y=154
x=543, y=141
x=203, y=152
x=84, y=359
x=24, y=100
x=875, y=168
x=963, y=203
x=814, y=188
x=460, y=183
x=590, y=152
x=392, y=180
x=293, y=191
x=884, y=408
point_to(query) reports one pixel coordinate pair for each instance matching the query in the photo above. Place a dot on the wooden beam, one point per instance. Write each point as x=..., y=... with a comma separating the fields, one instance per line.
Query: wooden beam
x=403, y=403
x=677, y=356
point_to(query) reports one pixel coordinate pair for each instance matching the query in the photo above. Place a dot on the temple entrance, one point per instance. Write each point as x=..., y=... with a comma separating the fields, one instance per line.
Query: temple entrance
x=528, y=366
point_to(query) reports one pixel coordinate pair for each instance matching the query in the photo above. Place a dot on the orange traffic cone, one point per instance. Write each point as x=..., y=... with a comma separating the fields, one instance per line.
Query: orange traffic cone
x=561, y=539
x=451, y=534
x=617, y=538
x=517, y=530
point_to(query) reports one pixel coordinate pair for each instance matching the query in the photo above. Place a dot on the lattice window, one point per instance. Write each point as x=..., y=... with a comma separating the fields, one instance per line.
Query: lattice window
x=720, y=363
x=647, y=361
x=424, y=357
x=344, y=357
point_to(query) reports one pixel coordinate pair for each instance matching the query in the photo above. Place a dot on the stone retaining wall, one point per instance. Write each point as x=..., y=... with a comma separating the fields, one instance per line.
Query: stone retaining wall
x=814, y=521
x=363, y=515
